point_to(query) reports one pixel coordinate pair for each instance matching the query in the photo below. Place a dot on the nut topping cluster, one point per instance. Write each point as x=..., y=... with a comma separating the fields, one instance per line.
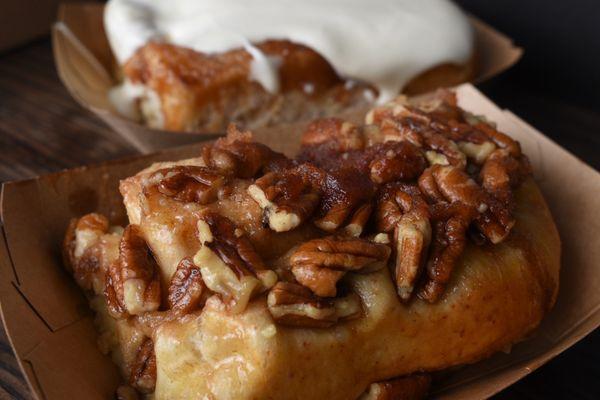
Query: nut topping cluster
x=228, y=262
x=454, y=174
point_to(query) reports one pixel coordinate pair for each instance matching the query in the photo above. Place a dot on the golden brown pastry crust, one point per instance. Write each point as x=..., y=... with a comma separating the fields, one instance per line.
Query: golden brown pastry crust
x=497, y=296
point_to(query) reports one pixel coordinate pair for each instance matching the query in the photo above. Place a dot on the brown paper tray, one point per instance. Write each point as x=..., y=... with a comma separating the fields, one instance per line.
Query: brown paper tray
x=51, y=329
x=84, y=63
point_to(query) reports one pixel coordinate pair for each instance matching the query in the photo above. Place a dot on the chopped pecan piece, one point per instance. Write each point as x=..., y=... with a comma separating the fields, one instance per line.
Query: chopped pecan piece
x=359, y=219
x=187, y=289
x=322, y=281
x=294, y=305
x=338, y=135
x=286, y=199
x=143, y=371
x=501, y=172
x=83, y=253
x=500, y=139
x=188, y=183
x=394, y=161
x=443, y=150
x=405, y=123
x=345, y=192
x=394, y=110
x=339, y=254
x=239, y=156
x=228, y=262
x=411, y=387
x=477, y=152
x=133, y=283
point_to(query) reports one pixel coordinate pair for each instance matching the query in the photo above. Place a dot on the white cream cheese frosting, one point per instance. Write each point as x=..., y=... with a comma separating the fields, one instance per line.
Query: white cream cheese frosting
x=382, y=42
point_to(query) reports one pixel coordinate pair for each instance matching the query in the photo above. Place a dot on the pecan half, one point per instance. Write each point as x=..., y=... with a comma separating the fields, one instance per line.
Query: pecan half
x=403, y=209
x=344, y=195
x=286, y=199
x=294, y=305
x=339, y=254
x=133, y=283
x=411, y=387
x=450, y=223
x=228, y=262
x=143, y=371
x=187, y=289
x=188, y=183
x=450, y=184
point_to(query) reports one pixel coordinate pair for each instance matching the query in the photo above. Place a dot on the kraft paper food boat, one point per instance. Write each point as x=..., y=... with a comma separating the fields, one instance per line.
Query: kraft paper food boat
x=51, y=328
x=85, y=64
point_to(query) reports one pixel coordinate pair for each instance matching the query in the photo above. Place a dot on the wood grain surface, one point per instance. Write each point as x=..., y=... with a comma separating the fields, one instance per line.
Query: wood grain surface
x=42, y=130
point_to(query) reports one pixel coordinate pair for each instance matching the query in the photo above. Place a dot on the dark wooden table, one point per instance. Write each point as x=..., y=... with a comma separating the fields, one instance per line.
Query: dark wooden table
x=43, y=130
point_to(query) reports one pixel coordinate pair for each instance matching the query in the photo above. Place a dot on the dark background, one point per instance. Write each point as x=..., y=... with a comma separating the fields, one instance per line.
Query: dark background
x=556, y=85
x=561, y=41
x=556, y=88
